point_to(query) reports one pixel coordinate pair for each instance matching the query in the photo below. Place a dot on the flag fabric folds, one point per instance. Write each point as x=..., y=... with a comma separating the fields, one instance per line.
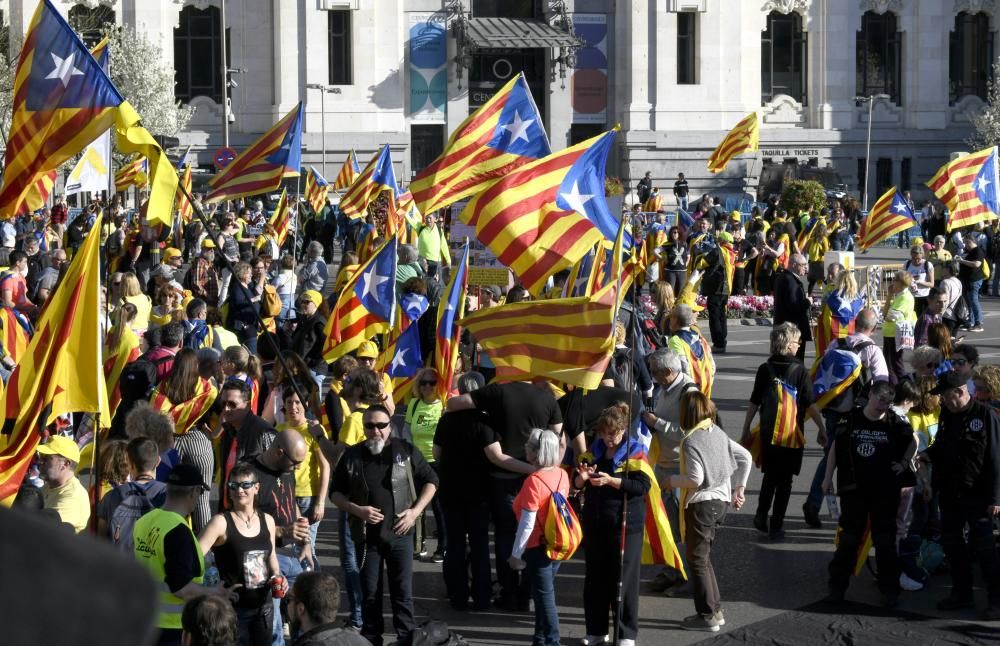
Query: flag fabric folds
x=132, y=173
x=568, y=340
x=401, y=357
x=744, y=137
x=92, y=171
x=377, y=176
x=16, y=333
x=545, y=215
x=348, y=172
x=693, y=348
x=61, y=370
x=836, y=319
x=447, y=332
x=184, y=207
x=787, y=432
x=39, y=192
x=836, y=371
x=279, y=219
x=506, y=132
x=121, y=348
x=276, y=154
x=187, y=413
x=366, y=306
x=889, y=215
x=968, y=187
x=317, y=190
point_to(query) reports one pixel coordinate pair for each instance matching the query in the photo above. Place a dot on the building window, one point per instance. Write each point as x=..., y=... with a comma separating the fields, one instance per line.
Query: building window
x=879, y=54
x=340, y=48
x=883, y=176
x=905, y=174
x=687, y=48
x=426, y=144
x=579, y=132
x=970, y=67
x=198, y=54
x=783, y=59
x=505, y=9
x=90, y=23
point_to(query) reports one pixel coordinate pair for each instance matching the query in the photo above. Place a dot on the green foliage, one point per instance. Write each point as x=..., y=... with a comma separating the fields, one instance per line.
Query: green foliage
x=613, y=186
x=987, y=122
x=800, y=196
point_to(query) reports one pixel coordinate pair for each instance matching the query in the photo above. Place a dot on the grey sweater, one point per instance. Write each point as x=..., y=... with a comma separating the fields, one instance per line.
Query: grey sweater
x=716, y=463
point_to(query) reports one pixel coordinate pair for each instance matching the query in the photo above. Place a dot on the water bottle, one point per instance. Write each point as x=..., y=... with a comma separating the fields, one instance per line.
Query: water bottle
x=211, y=578
x=833, y=506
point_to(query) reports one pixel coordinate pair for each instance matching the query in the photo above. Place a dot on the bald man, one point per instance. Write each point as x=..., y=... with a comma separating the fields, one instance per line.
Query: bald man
x=275, y=469
x=791, y=299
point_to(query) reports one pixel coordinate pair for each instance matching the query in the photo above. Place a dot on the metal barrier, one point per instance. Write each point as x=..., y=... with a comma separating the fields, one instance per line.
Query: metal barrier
x=873, y=282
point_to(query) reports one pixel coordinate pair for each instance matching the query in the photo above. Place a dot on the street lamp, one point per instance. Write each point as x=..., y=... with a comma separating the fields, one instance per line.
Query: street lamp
x=323, y=89
x=868, y=146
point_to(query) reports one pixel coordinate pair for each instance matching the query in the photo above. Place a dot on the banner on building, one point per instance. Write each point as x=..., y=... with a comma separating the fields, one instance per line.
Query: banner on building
x=428, y=68
x=590, y=76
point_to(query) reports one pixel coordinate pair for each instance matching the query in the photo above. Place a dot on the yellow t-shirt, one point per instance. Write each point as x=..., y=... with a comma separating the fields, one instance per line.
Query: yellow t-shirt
x=423, y=420
x=925, y=425
x=72, y=503
x=902, y=303
x=307, y=474
x=352, y=431
x=143, y=307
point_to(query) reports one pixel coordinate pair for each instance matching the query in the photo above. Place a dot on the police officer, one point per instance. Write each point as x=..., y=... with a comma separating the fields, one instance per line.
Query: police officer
x=165, y=544
x=873, y=447
x=965, y=459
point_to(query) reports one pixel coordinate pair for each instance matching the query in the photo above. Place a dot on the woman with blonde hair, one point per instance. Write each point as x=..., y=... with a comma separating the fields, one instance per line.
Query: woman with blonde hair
x=714, y=473
x=240, y=364
x=131, y=292
x=168, y=307
x=840, y=309
x=664, y=299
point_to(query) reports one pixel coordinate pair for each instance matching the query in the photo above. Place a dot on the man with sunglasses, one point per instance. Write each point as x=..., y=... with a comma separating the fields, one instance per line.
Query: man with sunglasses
x=275, y=470
x=384, y=484
x=965, y=475
x=871, y=452
x=244, y=434
x=791, y=300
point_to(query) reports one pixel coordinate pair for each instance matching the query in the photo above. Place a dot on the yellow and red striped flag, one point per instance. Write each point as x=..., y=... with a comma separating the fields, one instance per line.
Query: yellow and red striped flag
x=16, y=333
x=276, y=154
x=131, y=173
x=545, y=215
x=569, y=340
x=39, y=192
x=61, y=370
x=963, y=183
x=889, y=215
x=280, y=218
x=184, y=207
x=367, y=306
x=187, y=413
x=120, y=349
x=693, y=348
x=787, y=432
x=506, y=132
x=447, y=331
x=377, y=176
x=348, y=173
x=744, y=137
x=317, y=190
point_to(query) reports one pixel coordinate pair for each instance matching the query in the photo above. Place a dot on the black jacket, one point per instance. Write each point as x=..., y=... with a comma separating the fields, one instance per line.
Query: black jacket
x=308, y=340
x=791, y=303
x=966, y=454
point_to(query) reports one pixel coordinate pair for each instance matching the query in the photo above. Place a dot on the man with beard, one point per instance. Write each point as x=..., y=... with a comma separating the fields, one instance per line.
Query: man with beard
x=384, y=485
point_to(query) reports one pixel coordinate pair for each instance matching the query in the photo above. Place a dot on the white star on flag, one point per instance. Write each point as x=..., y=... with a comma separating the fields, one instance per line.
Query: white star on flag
x=371, y=282
x=982, y=183
x=64, y=69
x=518, y=128
x=399, y=360
x=577, y=200
x=899, y=207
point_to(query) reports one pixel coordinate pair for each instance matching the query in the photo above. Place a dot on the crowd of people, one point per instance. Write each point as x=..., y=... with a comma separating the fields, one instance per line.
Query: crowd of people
x=232, y=438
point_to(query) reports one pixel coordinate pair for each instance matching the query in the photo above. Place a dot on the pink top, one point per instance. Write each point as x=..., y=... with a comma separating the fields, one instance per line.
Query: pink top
x=534, y=496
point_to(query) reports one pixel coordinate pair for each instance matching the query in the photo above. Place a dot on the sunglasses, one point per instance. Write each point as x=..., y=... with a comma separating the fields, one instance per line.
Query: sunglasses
x=246, y=485
x=371, y=426
x=229, y=405
x=959, y=362
x=429, y=382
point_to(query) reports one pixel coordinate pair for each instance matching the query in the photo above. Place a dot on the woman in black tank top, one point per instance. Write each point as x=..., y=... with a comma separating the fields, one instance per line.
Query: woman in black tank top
x=242, y=541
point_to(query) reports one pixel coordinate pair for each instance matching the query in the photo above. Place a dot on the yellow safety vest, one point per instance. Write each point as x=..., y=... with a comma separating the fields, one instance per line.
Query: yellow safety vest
x=148, y=535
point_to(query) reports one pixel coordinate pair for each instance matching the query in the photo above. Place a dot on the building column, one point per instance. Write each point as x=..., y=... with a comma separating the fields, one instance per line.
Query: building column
x=287, y=88
x=926, y=28
x=632, y=62
x=832, y=77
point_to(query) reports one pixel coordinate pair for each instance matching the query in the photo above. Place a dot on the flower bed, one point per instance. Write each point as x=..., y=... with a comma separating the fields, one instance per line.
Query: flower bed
x=739, y=307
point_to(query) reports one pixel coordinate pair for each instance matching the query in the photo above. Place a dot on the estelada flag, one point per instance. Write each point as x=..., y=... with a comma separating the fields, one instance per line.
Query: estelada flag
x=378, y=176
x=186, y=413
x=744, y=137
x=889, y=215
x=836, y=319
x=786, y=431
x=506, y=132
x=348, y=173
x=60, y=371
x=317, y=190
x=693, y=348
x=968, y=187
x=447, y=331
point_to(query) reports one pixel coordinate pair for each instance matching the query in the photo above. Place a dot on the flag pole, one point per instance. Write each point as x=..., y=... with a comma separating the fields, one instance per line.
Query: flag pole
x=200, y=214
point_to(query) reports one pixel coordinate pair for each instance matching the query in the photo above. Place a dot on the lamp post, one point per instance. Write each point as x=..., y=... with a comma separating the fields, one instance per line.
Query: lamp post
x=225, y=79
x=868, y=145
x=323, y=89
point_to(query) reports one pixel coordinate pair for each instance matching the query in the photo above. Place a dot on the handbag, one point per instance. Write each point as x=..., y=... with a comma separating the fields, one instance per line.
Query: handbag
x=270, y=302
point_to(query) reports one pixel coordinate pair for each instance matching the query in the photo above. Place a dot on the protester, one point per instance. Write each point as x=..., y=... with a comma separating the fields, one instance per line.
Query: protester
x=241, y=434
x=312, y=612
x=971, y=274
x=421, y=420
x=58, y=460
x=123, y=505
x=897, y=330
x=208, y=621
x=792, y=301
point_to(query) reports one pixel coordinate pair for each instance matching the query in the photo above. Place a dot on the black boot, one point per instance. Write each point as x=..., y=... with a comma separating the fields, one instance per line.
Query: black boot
x=812, y=516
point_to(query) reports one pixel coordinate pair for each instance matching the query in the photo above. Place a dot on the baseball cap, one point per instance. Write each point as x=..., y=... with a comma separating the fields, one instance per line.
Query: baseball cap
x=207, y=244
x=62, y=446
x=948, y=381
x=186, y=475
x=367, y=350
x=725, y=236
x=495, y=290
x=170, y=253
x=164, y=271
x=735, y=215
x=312, y=296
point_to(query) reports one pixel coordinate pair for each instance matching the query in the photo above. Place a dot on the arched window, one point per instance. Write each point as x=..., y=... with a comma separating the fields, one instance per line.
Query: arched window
x=198, y=54
x=970, y=65
x=783, y=58
x=879, y=56
x=89, y=22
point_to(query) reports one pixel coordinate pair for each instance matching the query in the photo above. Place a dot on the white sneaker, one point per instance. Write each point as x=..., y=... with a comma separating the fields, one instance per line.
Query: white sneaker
x=626, y=642
x=909, y=584
x=594, y=640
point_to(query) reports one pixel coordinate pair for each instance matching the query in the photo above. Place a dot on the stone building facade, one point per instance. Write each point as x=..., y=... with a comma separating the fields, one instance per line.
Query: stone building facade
x=676, y=74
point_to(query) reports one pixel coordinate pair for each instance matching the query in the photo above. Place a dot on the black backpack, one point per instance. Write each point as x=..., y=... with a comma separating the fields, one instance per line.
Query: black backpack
x=139, y=378
x=436, y=633
x=136, y=501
